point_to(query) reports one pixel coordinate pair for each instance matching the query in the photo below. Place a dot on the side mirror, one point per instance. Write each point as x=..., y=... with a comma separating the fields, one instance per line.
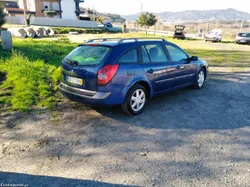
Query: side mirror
x=193, y=58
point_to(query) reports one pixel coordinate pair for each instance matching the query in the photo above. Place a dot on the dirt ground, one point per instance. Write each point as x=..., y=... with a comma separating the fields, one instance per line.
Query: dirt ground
x=185, y=138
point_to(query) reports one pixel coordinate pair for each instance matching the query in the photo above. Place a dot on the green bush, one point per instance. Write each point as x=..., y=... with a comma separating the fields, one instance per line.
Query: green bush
x=28, y=83
x=50, y=13
x=65, y=30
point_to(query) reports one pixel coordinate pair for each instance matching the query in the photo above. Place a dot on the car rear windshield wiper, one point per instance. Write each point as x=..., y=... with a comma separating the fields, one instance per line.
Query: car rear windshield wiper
x=73, y=62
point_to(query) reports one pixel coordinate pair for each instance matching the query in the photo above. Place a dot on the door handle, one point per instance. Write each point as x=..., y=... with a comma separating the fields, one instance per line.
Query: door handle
x=178, y=67
x=150, y=71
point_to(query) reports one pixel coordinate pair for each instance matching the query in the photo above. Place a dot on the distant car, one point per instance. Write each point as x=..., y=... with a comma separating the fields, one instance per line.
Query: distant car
x=179, y=32
x=243, y=38
x=128, y=72
x=213, y=36
x=107, y=24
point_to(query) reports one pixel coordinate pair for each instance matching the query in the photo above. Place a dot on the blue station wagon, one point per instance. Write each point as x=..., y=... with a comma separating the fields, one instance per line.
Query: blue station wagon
x=128, y=71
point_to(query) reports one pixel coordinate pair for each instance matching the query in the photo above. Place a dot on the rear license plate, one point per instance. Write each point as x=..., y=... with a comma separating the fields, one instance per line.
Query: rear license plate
x=74, y=80
x=243, y=41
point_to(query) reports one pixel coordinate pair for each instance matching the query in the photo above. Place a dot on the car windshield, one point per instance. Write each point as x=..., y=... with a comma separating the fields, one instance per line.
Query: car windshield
x=244, y=34
x=88, y=55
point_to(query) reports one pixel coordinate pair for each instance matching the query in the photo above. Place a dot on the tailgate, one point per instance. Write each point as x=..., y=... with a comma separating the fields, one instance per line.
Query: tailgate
x=80, y=67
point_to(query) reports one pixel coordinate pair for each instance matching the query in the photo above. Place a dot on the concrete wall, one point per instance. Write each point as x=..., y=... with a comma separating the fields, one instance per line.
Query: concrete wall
x=55, y=22
x=68, y=9
x=15, y=20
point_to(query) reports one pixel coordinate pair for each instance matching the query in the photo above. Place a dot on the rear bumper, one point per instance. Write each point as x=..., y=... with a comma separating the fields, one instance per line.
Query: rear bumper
x=242, y=41
x=91, y=97
x=212, y=39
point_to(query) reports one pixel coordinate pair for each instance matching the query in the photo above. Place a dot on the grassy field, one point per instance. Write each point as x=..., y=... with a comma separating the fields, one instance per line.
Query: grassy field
x=29, y=75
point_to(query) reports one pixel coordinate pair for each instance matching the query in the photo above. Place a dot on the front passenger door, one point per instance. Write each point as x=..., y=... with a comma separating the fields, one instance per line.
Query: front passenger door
x=186, y=70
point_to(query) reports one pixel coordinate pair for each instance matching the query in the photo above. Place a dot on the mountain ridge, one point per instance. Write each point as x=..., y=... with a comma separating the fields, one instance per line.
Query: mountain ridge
x=195, y=15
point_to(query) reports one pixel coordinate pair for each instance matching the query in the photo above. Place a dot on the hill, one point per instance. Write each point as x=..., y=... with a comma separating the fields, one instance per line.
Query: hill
x=197, y=15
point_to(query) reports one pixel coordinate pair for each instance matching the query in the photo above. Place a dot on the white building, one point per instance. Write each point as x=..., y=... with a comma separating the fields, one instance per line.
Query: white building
x=65, y=9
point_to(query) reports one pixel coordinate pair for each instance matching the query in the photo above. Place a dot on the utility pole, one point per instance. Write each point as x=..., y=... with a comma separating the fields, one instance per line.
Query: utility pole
x=141, y=6
x=207, y=28
x=94, y=12
x=24, y=12
x=241, y=27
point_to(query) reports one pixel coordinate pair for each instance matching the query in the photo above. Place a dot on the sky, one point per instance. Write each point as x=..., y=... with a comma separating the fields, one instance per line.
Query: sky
x=124, y=7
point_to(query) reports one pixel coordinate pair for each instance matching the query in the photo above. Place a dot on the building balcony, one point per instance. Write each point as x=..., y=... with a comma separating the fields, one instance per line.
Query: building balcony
x=57, y=11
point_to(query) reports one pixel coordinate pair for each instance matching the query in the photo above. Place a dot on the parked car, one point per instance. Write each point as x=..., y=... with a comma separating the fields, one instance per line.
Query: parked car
x=128, y=72
x=107, y=24
x=214, y=36
x=179, y=32
x=243, y=38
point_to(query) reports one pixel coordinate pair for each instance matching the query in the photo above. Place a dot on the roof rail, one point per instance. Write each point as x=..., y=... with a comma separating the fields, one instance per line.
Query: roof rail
x=102, y=39
x=120, y=40
x=141, y=38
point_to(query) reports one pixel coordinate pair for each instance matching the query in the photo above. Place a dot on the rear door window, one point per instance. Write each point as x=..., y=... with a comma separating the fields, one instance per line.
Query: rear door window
x=130, y=56
x=88, y=55
x=156, y=53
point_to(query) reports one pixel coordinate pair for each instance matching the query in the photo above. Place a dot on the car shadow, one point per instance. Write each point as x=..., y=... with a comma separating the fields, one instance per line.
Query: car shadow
x=21, y=179
x=223, y=103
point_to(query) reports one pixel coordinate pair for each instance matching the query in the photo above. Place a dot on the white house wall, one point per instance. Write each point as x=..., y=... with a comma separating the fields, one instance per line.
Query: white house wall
x=68, y=9
x=30, y=5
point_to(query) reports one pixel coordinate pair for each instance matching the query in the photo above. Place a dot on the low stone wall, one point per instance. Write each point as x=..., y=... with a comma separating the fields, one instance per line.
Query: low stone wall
x=55, y=22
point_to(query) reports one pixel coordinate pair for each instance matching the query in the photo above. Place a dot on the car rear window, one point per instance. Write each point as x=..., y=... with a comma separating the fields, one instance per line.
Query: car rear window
x=244, y=34
x=88, y=55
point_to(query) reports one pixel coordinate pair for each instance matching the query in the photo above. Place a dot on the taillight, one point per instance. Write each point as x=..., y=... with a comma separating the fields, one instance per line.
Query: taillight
x=105, y=74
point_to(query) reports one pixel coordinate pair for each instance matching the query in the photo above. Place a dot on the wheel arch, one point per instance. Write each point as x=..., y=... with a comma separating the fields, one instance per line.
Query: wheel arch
x=205, y=69
x=146, y=85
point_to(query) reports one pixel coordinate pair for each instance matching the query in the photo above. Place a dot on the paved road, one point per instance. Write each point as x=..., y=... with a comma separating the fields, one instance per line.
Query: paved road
x=185, y=138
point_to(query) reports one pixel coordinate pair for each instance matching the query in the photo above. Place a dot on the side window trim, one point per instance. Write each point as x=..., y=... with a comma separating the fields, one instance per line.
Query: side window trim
x=147, y=54
x=141, y=56
x=163, y=45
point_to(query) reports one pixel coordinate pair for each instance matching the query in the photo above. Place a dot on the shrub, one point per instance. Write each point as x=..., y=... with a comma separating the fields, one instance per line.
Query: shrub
x=50, y=13
x=64, y=39
x=2, y=15
x=63, y=30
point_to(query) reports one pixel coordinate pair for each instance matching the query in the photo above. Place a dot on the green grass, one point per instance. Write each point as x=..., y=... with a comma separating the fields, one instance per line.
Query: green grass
x=51, y=52
x=32, y=73
x=222, y=58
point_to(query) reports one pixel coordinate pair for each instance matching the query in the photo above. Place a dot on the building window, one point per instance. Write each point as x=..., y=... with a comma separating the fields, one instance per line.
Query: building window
x=46, y=5
x=55, y=6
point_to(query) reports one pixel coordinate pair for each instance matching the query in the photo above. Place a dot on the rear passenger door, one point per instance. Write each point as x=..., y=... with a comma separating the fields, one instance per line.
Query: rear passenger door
x=157, y=67
x=186, y=70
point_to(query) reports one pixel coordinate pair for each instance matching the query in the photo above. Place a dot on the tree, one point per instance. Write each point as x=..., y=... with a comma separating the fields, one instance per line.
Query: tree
x=147, y=20
x=2, y=14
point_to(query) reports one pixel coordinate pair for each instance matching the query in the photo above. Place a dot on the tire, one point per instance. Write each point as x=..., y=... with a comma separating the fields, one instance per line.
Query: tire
x=200, y=79
x=129, y=105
